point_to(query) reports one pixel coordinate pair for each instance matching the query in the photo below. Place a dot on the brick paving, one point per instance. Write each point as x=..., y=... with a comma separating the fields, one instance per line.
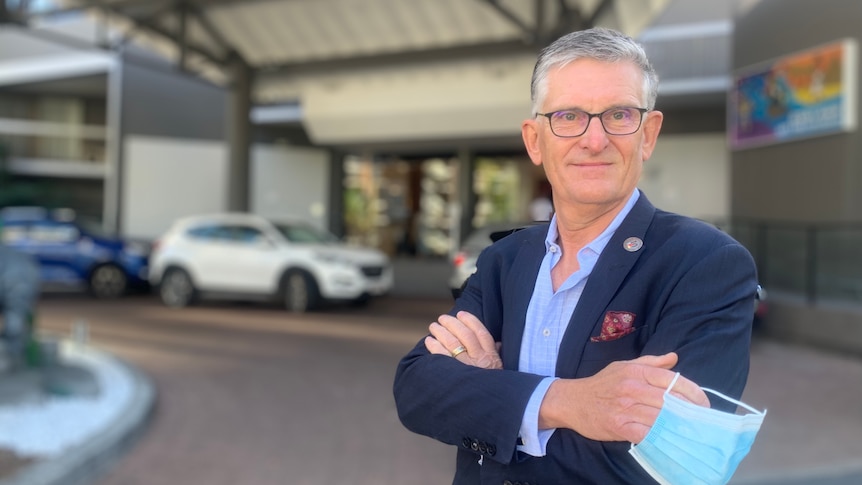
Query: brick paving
x=253, y=395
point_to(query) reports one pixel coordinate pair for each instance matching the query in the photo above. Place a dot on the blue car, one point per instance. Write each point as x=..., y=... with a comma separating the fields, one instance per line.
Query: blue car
x=72, y=253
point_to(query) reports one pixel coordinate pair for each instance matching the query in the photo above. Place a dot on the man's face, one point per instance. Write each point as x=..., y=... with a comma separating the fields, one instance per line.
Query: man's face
x=594, y=168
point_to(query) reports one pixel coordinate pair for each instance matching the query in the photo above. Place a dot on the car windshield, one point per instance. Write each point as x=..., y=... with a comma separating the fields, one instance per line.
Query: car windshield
x=301, y=233
x=480, y=238
x=57, y=218
x=92, y=226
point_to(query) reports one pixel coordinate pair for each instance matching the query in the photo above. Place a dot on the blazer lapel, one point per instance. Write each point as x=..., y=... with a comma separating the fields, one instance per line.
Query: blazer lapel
x=612, y=267
x=518, y=290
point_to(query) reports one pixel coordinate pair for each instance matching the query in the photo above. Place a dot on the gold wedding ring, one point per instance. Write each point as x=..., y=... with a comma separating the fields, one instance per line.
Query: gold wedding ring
x=458, y=351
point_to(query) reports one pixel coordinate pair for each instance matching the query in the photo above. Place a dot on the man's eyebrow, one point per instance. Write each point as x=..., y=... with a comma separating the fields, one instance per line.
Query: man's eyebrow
x=565, y=109
x=615, y=106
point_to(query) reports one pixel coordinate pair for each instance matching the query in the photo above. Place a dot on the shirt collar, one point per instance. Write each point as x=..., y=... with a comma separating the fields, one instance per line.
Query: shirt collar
x=598, y=244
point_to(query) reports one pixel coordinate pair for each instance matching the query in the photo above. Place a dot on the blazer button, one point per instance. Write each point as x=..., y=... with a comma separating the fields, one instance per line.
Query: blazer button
x=466, y=443
x=508, y=482
x=492, y=450
x=483, y=448
x=474, y=445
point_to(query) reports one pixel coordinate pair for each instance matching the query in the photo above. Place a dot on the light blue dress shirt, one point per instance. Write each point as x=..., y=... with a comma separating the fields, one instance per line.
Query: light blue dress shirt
x=548, y=316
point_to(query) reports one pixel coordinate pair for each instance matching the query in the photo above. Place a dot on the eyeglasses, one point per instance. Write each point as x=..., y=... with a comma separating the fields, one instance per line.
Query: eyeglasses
x=569, y=123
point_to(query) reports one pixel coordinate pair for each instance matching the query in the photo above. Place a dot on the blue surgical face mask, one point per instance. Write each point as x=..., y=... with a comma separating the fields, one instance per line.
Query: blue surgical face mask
x=690, y=444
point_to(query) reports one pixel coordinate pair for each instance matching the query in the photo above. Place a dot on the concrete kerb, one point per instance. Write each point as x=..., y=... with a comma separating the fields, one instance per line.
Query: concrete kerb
x=81, y=463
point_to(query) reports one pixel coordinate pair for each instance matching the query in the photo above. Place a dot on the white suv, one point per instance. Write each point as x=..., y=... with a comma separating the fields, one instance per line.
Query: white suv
x=238, y=255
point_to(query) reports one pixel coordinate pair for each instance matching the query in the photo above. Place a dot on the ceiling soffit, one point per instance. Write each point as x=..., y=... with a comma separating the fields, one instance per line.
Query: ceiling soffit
x=281, y=39
x=403, y=66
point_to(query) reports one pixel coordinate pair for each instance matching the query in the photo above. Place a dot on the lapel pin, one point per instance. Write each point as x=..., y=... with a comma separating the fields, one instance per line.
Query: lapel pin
x=633, y=244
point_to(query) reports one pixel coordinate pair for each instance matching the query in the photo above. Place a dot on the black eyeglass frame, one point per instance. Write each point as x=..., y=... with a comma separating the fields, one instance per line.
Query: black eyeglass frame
x=590, y=117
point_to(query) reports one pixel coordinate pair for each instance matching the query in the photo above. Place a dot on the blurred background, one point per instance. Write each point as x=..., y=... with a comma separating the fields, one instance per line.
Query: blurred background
x=392, y=128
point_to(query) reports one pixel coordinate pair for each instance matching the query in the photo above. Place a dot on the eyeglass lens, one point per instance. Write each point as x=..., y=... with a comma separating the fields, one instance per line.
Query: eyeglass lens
x=616, y=121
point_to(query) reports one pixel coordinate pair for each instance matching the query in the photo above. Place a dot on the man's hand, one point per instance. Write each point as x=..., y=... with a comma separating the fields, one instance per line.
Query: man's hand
x=620, y=403
x=464, y=330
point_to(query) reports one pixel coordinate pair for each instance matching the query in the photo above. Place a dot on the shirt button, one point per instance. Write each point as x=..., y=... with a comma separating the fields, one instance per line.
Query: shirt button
x=546, y=332
x=553, y=249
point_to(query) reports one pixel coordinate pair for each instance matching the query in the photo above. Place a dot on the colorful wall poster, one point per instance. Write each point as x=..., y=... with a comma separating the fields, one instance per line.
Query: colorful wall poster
x=801, y=95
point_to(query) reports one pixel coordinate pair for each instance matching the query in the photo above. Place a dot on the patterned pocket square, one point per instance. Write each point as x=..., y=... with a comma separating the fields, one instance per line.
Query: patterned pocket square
x=615, y=325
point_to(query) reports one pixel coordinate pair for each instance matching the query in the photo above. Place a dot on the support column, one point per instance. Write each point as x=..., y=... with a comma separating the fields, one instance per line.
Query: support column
x=239, y=135
x=466, y=197
x=336, y=193
x=112, y=188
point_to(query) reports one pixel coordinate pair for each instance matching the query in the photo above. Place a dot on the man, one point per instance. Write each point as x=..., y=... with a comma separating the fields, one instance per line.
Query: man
x=557, y=354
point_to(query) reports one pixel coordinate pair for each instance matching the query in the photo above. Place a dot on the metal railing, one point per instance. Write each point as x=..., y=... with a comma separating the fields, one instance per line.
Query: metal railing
x=817, y=261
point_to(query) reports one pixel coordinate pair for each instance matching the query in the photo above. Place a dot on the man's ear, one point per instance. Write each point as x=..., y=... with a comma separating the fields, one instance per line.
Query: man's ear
x=651, y=128
x=530, y=134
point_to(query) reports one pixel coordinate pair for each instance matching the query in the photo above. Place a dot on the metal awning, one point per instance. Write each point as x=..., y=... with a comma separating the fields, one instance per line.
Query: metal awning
x=281, y=40
x=361, y=71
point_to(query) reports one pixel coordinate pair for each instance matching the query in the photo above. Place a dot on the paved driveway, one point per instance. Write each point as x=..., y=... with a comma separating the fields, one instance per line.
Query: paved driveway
x=254, y=395
x=250, y=394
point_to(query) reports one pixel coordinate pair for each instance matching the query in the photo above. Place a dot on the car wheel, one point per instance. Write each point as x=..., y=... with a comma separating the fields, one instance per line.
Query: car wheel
x=176, y=288
x=300, y=292
x=108, y=281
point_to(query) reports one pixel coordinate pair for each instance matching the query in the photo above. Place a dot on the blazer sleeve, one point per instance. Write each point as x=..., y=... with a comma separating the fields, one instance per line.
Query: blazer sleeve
x=706, y=319
x=479, y=410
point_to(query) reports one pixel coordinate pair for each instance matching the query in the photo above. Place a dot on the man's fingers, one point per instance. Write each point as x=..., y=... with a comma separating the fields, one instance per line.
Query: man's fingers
x=482, y=334
x=640, y=419
x=689, y=391
x=666, y=361
x=451, y=334
x=435, y=347
x=465, y=335
x=448, y=333
x=635, y=432
x=624, y=399
x=657, y=373
x=445, y=337
x=487, y=355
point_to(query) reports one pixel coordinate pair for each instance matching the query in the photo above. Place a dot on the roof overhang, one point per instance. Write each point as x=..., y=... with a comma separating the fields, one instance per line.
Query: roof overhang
x=364, y=70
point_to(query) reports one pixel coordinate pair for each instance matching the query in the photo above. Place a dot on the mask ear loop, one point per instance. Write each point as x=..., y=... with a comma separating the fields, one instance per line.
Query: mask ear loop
x=726, y=398
x=734, y=401
x=672, y=383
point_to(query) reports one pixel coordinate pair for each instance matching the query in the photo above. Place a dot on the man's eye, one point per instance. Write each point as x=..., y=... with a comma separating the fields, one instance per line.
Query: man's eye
x=619, y=115
x=568, y=116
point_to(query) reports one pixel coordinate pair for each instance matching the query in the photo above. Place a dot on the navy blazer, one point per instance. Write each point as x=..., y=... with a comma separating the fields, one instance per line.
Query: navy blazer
x=691, y=288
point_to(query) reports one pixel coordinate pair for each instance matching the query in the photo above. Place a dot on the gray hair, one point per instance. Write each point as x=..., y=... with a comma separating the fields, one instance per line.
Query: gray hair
x=599, y=44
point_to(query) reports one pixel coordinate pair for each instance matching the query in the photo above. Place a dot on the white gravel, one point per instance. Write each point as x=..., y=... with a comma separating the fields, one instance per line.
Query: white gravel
x=47, y=428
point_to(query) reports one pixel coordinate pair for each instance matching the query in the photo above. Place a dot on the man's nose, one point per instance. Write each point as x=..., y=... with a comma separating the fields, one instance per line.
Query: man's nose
x=595, y=136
